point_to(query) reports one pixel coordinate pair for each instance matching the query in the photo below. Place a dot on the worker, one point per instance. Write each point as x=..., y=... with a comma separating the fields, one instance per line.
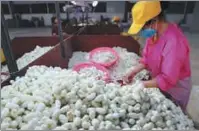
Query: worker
x=54, y=26
x=116, y=20
x=54, y=21
x=166, y=54
x=3, y=59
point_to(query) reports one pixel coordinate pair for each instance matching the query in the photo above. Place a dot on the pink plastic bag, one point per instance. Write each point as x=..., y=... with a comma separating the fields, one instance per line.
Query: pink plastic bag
x=104, y=49
x=78, y=67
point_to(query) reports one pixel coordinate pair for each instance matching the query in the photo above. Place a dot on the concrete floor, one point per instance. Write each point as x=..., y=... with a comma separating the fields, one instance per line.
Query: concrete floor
x=193, y=107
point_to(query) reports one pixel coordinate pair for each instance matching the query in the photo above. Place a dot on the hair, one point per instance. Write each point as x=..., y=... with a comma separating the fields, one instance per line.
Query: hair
x=160, y=17
x=53, y=19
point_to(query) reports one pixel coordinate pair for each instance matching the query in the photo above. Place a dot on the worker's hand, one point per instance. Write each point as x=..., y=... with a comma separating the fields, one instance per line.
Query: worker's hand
x=129, y=76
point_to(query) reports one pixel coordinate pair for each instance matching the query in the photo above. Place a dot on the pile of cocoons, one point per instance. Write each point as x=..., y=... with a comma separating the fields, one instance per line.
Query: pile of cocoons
x=27, y=58
x=103, y=57
x=127, y=61
x=51, y=98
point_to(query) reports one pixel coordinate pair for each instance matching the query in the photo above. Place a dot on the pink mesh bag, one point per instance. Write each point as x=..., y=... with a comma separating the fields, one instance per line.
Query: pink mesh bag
x=104, y=49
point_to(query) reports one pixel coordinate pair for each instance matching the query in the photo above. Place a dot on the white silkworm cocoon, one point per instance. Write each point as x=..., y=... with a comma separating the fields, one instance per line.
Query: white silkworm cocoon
x=30, y=116
x=51, y=124
x=7, y=119
x=60, y=128
x=91, y=128
x=4, y=125
x=155, y=118
x=100, y=118
x=160, y=124
x=77, y=113
x=19, y=119
x=134, y=115
x=148, y=126
x=117, y=127
x=57, y=104
x=108, y=117
x=84, y=109
x=131, y=121
x=101, y=111
x=99, y=98
x=137, y=108
x=77, y=121
x=85, y=118
x=38, y=128
x=95, y=123
x=141, y=122
x=169, y=123
x=124, y=106
x=25, y=127
x=130, y=102
x=33, y=123
x=85, y=125
x=124, y=125
x=65, y=109
x=4, y=113
x=91, y=96
x=63, y=119
x=68, y=126
x=14, y=124
x=92, y=114
x=73, y=127
x=108, y=126
x=30, y=105
x=47, y=113
x=44, y=126
x=40, y=107
x=122, y=112
x=130, y=109
x=78, y=104
x=102, y=126
x=56, y=113
x=12, y=106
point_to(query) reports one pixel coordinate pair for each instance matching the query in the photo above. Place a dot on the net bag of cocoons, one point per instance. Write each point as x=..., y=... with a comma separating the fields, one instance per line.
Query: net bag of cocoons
x=104, y=56
x=93, y=69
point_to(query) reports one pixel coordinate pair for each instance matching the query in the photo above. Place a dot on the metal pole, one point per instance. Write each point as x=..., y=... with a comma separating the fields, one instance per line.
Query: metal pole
x=60, y=29
x=86, y=10
x=47, y=8
x=6, y=45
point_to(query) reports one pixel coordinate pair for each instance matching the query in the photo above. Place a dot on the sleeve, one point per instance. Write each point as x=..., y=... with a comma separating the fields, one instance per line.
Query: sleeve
x=144, y=55
x=172, y=61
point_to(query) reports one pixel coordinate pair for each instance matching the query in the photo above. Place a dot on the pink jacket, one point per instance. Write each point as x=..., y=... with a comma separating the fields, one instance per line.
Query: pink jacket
x=168, y=61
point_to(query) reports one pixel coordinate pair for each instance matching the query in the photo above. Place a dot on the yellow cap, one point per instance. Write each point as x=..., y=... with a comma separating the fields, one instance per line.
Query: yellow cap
x=142, y=12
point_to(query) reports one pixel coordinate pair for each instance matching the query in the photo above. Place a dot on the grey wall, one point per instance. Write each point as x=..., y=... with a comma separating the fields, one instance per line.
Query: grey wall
x=115, y=7
x=194, y=26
